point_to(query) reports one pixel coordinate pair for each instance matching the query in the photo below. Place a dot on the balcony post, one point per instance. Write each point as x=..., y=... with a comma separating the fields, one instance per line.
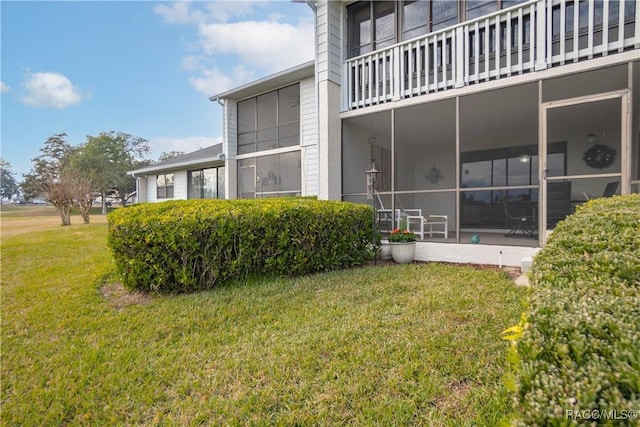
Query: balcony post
x=541, y=34
x=396, y=73
x=636, y=33
x=458, y=56
x=346, y=87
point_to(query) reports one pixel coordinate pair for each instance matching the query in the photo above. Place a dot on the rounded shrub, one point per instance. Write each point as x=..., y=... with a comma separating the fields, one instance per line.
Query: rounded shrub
x=579, y=358
x=186, y=245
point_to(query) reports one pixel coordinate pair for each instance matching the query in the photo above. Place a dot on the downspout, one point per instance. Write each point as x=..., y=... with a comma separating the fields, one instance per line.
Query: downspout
x=223, y=155
x=221, y=103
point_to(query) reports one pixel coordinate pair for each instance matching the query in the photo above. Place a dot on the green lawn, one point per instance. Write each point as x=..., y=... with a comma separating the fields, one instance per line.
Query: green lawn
x=414, y=344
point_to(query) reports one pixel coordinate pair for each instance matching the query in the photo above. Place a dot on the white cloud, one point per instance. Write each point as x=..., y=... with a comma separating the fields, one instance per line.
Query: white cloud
x=191, y=63
x=3, y=87
x=182, y=12
x=238, y=41
x=271, y=46
x=164, y=144
x=178, y=12
x=50, y=90
x=213, y=81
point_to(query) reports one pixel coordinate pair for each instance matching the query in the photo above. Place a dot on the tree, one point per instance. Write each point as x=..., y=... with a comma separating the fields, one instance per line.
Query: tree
x=8, y=181
x=107, y=157
x=169, y=155
x=50, y=176
x=83, y=187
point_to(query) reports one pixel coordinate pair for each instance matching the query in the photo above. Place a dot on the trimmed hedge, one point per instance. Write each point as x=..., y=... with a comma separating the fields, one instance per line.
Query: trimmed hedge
x=579, y=358
x=186, y=245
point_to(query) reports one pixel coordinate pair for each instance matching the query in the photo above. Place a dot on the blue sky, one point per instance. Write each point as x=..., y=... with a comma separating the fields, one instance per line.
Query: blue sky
x=140, y=67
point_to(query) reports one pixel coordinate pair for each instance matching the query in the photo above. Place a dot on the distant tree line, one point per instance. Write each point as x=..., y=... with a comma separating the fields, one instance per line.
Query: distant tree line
x=71, y=176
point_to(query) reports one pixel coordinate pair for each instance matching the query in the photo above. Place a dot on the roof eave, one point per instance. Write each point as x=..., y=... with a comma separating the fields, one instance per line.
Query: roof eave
x=298, y=69
x=175, y=166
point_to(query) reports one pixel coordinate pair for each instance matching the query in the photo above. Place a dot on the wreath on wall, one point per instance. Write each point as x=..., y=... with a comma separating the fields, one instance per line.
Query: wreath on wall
x=599, y=156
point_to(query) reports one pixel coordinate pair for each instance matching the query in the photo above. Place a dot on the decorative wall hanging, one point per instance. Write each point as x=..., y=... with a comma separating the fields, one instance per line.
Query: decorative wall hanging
x=433, y=175
x=599, y=156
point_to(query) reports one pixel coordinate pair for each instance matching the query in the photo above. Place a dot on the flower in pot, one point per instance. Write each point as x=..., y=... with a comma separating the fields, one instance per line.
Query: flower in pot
x=401, y=236
x=403, y=245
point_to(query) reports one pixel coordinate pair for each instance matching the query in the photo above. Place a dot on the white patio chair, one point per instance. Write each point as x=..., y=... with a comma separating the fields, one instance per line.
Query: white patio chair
x=386, y=217
x=421, y=225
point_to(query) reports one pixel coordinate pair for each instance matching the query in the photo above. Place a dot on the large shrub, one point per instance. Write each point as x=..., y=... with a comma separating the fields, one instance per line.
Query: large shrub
x=580, y=354
x=178, y=246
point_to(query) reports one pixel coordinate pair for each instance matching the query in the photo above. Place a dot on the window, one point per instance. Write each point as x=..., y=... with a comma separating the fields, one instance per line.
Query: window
x=206, y=183
x=164, y=186
x=269, y=121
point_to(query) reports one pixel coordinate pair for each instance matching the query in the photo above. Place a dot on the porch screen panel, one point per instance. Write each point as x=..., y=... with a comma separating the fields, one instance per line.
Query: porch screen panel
x=385, y=23
x=415, y=19
x=498, y=158
x=477, y=8
x=247, y=126
x=278, y=174
x=359, y=28
x=366, y=139
x=444, y=13
x=269, y=121
x=289, y=116
x=289, y=173
x=425, y=147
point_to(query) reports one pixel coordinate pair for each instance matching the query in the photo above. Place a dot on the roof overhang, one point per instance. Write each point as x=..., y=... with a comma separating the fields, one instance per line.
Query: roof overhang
x=210, y=161
x=266, y=84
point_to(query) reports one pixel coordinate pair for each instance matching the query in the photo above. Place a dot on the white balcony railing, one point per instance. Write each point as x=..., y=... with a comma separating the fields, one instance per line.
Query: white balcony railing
x=527, y=37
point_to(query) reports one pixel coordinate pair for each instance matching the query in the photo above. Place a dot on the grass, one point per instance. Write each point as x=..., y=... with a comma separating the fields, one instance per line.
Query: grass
x=413, y=344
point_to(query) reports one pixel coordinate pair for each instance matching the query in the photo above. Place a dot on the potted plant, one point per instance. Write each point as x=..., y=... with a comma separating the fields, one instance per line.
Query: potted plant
x=403, y=245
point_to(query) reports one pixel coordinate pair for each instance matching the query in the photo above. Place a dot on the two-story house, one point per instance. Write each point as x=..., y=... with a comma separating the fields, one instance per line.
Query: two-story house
x=502, y=115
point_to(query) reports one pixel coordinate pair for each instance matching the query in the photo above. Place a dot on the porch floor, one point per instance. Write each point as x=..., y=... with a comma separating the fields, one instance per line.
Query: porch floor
x=486, y=238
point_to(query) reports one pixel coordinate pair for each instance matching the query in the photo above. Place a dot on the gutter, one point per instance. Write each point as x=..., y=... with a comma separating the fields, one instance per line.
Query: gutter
x=173, y=166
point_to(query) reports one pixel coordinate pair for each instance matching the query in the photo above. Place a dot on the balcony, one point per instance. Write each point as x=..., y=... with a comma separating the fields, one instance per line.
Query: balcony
x=528, y=37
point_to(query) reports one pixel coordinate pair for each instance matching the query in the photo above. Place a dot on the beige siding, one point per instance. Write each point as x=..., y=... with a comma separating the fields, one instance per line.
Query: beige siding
x=309, y=135
x=328, y=33
x=142, y=189
x=230, y=128
x=180, y=185
x=151, y=189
